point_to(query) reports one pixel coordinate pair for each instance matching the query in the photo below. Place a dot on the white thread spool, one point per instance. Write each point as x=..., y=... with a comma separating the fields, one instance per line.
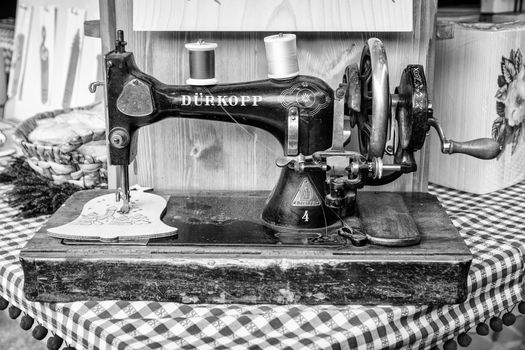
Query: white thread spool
x=202, y=63
x=281, y=55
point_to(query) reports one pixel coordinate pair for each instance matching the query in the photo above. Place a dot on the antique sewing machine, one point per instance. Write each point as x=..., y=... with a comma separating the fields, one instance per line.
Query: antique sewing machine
x=314, y=239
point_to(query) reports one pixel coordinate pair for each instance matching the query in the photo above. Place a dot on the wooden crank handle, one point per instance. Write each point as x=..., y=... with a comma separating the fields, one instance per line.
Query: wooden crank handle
x=483, y=148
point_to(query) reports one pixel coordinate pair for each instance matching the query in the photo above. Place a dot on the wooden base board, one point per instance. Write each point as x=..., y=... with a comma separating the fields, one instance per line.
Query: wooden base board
x=241, y=263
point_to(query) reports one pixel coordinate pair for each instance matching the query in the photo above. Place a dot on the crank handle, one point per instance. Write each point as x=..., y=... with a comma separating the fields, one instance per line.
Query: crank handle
x=484, y=148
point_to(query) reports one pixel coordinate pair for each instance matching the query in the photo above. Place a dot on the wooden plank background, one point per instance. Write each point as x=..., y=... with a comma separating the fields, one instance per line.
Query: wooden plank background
x=194, y=154
x=273, y=15
x=497, y=6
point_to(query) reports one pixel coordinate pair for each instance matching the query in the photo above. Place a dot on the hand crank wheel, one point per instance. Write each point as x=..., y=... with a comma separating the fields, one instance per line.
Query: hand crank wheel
x=372, y=122
x=414, y=112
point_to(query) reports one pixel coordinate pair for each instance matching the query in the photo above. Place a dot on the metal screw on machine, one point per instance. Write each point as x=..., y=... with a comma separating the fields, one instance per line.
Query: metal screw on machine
x=119, y=138
x=293, y=113
x=340, y=92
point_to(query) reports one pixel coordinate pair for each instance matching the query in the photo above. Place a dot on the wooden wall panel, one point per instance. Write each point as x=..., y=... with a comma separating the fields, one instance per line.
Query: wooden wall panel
x=499, y=6
x=271, y=15
x=193, y=154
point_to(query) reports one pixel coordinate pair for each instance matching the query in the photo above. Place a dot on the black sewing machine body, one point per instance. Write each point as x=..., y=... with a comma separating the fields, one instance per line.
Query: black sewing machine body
x=136, y=99
x=313, y=239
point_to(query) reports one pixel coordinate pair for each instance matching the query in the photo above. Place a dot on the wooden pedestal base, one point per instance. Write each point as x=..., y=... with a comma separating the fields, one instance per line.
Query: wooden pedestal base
x=224, y=255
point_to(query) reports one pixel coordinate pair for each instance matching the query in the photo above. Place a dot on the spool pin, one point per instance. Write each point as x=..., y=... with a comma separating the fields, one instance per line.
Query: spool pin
x=281, y=55
x=202, y=63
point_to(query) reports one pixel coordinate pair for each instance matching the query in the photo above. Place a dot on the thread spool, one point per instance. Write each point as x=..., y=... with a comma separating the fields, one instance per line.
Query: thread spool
x=202, y=63
x=281, y=55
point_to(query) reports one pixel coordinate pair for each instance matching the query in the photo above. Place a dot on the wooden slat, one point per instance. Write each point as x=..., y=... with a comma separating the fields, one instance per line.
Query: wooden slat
x=108, y=24
x=498, y=6
x=273, y=15
x=92, y=28
x=108, y=28
x=196, y=154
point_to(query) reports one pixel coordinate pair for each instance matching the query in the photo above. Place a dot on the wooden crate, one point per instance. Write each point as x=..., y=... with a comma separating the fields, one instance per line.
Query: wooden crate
x=468, y=77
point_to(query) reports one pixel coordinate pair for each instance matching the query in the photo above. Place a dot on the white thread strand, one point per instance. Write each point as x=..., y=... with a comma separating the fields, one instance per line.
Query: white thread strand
x=244, y=129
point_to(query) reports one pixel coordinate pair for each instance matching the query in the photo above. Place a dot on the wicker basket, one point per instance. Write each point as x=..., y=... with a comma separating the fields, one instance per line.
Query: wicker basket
x=63, y=163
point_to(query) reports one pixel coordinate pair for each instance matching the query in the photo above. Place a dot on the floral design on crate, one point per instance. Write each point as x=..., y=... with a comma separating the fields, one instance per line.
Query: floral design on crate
x=510, y=105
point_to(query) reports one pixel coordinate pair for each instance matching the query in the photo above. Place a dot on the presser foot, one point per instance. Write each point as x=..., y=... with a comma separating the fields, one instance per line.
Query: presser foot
x=120, y=195
x=125, y=208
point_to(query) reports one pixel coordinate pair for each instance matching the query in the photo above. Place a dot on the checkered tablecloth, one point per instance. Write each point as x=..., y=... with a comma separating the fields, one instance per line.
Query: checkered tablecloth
x=493, y=226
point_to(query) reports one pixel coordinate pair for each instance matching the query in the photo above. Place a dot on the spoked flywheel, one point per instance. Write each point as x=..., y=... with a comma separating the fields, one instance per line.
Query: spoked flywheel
x=373, y=118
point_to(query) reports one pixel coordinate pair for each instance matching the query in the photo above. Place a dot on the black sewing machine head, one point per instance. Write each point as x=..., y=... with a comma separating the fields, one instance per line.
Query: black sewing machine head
x=319, y=178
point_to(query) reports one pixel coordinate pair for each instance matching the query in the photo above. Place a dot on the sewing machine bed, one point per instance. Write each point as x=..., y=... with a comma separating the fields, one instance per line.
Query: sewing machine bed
x=223, y=254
